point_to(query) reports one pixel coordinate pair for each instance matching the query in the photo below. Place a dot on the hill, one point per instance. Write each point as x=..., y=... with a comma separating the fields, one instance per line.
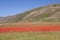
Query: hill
x=49, y=13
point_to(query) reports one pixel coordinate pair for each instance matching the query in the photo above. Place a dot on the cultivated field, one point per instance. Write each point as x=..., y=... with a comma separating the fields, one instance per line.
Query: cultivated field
x=30, y=31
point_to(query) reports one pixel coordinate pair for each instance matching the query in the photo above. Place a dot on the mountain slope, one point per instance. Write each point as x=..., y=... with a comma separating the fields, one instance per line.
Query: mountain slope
x=50, y=13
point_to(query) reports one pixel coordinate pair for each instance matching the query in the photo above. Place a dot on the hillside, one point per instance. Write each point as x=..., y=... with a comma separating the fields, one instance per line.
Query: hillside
x=49, y=13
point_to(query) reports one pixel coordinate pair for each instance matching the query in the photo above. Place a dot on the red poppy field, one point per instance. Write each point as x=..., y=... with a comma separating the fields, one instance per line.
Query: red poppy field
x=32, y=28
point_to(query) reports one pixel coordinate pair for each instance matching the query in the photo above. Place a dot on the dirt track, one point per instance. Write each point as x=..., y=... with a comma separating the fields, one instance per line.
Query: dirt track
x=32, y=28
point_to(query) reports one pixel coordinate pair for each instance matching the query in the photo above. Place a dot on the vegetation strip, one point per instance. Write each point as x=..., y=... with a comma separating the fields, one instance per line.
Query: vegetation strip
x=27, y=29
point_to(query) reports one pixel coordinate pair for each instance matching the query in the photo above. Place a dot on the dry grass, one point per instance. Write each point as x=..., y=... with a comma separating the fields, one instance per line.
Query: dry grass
x=30, y=36
x=17, y=24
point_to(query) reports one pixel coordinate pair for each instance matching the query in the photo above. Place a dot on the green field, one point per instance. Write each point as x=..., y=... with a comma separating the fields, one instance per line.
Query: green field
x=30, y=36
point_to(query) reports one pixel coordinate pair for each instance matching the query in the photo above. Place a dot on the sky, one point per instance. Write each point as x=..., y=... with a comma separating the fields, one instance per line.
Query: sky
x=13, y=7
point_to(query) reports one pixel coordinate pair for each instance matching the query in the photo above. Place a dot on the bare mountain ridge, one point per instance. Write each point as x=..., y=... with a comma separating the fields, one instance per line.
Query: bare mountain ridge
x=50, y=13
